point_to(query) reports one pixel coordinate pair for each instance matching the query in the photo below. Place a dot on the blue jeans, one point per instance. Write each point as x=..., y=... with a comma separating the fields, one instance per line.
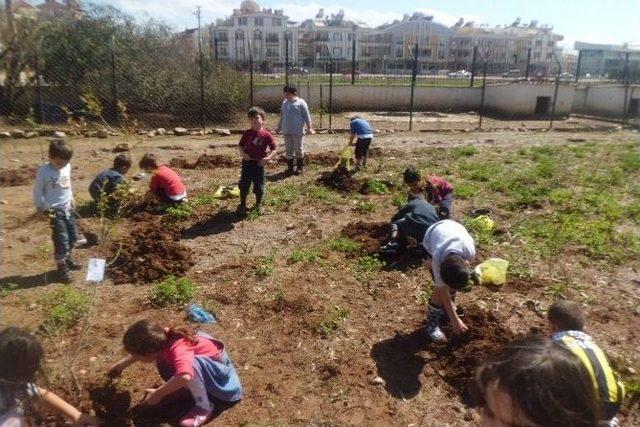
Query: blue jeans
x=252, y=172
x=63, y=233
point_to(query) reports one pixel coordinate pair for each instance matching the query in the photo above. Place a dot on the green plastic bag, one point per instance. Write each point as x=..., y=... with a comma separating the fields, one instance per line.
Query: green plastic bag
x=493, y=271
x=227, y=192
x=482, y=224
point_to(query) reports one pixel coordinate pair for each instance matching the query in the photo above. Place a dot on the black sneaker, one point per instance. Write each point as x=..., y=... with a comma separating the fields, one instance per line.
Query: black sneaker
x=241, y=210
x=72, y=265
x=63, y=273
x=390, y=248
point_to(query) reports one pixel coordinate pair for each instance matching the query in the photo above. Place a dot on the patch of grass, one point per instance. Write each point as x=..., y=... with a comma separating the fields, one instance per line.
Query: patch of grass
x=320, y=193
x=364, y=206
x=369, y=263
x=331, y=322
x=179, y=211
x=464, y=190
x=283, y=195
x=399, y=200
x=557, y=291
x=377, y=187
x=425, y=294
x=480, y=171
x=546, y=167
x=344, y=245
x=264, y=267
x=6, y=289
x=253, y=214
x=632, y=388
x=305, y=255
x=65, y=308
x=630, y=162
x=172, y=292
x=463, y=151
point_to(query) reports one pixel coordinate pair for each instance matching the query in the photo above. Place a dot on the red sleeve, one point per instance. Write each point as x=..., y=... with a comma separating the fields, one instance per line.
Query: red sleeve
x=154, y=183
x=181, y=356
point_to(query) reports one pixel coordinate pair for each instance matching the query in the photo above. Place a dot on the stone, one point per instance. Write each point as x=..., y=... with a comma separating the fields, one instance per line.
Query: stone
x=151, y=133
x=102, y=134
x=91, y=134
x=170, y=132
x=377, y=381
x=161, y=131
x=180, y=131
x=17, y=133
x=120, y=148
x=93, y=359
x=141, y=132
x=221, y=132
x=576, y=139
x=59, y=134
x=31, y=134
x=3, y=202
x=5, y=135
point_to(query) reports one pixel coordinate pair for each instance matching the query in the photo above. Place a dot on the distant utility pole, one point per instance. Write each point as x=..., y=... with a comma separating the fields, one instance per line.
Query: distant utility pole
x=202, y=116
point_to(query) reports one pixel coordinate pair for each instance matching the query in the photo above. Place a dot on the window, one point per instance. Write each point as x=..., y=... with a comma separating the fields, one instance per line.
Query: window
x=549, y=55
x=272, y=52
x=240, y=34
x=242, y=21
x=538, y=43
x=222, y=51
x=350, y=37
x=277, y=22
x=399, y=52
x=550, y=44
x=222, y=36
x=272, y=38
x=258, y=21
x=337, y=36
x=337, y=52
x=257, y=35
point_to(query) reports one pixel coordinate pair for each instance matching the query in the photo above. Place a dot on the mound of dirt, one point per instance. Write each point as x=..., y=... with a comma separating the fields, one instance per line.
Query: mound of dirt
x=205, y=161
x=110, y=404
x=457, y=360
x=14, y=177
x=370, y=235
x=341, y=180
x=149, y=253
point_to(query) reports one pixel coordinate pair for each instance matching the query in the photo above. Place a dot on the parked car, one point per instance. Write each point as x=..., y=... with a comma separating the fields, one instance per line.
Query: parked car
x=443, y=72
x=460, y=74
x=566, y=76
x=298, y=70
x=511, y=73
x=347, y=71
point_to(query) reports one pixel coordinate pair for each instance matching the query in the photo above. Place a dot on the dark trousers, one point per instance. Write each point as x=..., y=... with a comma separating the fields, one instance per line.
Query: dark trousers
x=63, y=233
x=252, y=172
x=362, y=147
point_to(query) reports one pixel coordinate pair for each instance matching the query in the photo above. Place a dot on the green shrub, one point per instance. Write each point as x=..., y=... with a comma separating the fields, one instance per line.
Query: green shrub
x=345, y=245
x=365, y=206
x=65, y=307
x=464, y=151
x=332, y=320
x=172, y=292
x=264, y=267
x=377, y=187
x=465, y=190
x=369, y=263
x=399, y=200
x=305, y=255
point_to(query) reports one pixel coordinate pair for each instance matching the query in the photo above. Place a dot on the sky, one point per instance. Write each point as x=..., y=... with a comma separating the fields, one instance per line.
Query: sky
x=597, y=21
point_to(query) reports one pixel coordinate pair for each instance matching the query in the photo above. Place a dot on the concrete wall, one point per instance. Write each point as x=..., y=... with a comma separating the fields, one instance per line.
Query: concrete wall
x=508, y=99
x=603, y=100
x=375, y=98
x=520, y=99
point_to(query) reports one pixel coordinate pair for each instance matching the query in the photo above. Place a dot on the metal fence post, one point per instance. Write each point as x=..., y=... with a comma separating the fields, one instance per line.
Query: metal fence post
x=555, y=92
x=215, y=48
x=353, y=60
x=114, y=87
x=330, y=90
x=578, y=66
x=473, y=65
x=202, y=114
x=414, y=74
x=250, y=75
x=528, y=67
x=484, y=86
x=286, y=59
x=38, y=90
x=625, y=107
x=321, y=109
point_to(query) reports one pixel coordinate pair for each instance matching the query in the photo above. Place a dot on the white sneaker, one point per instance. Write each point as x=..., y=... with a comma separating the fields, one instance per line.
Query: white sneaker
x=435, y=333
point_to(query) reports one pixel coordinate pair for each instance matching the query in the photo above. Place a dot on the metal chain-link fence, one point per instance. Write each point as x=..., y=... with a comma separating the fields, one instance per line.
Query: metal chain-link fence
x=103, y=67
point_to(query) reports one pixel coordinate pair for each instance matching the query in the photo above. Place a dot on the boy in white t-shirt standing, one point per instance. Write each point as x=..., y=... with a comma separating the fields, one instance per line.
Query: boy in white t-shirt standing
x=452, y=250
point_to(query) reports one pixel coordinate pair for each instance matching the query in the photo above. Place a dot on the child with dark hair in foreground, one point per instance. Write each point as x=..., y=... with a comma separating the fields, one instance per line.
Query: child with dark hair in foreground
x=20, y=358
x=567, y=321
x=452, y=250
x=536, y=382
x=185, y=359
x=107, y=182
x=165, y=185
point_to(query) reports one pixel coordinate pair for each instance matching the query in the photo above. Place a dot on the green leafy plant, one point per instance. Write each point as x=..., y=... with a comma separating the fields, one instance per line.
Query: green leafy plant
x=464, y=151
x=6, y=289
x=179, y=211
x=369, y=263
x=399, y=200
x=172, y=292
x=264, y=267
x=364, y=206
x=344, y=245
x=376, y=187
x=330, y=324
x=305, y=255
x=64, y=309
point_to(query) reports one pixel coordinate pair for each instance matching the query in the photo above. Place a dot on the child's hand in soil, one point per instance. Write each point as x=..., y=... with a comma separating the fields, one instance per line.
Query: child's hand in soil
x=152, y=398
x=115, y=371
x=87, y=420
x=459, y=327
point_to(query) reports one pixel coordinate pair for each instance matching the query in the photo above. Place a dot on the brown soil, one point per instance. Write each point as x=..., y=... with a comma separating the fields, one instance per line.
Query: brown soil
x=205, y=161
x=370, y=235
x=458, y=359
x=149, y=253
x=110, y=404
x=341, y=180
x=14, y=177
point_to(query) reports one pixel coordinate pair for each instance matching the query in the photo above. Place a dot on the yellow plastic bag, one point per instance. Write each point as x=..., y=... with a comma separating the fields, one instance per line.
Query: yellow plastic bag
x=345, y=158
x=482, y=224
x=227, y=192
x=493, y=271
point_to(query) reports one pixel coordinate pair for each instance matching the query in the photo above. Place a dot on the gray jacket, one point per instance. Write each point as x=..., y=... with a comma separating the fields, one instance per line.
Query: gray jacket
x=293, y=116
